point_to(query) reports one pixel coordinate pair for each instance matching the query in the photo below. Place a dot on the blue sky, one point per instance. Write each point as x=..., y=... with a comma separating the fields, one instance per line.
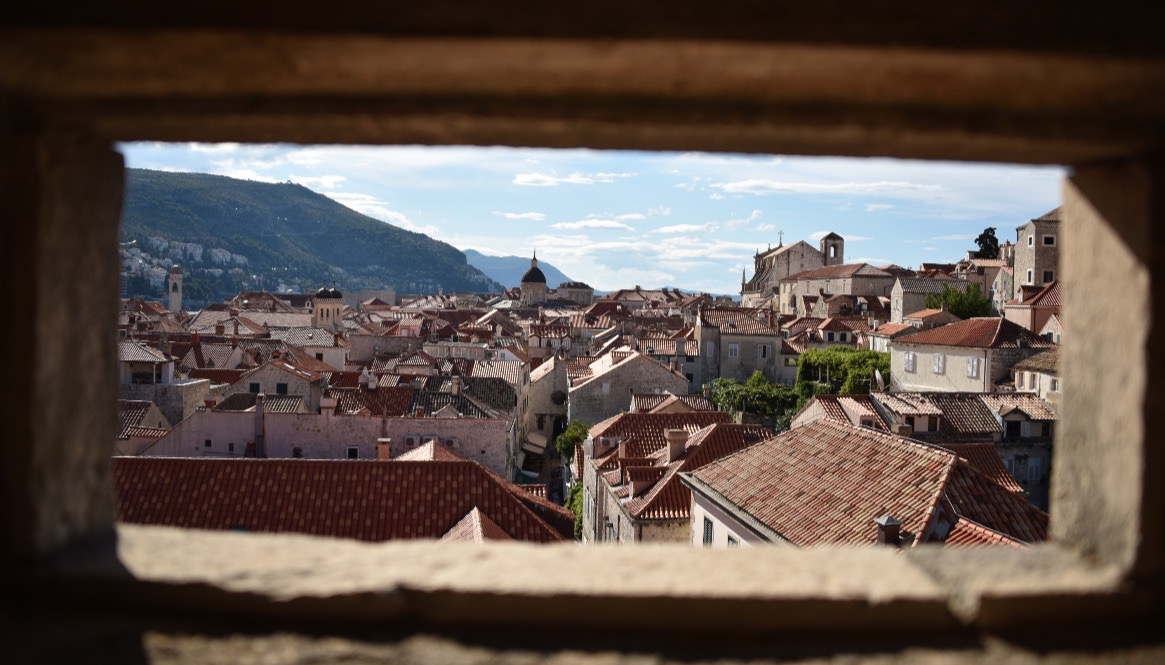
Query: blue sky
x=616, y=219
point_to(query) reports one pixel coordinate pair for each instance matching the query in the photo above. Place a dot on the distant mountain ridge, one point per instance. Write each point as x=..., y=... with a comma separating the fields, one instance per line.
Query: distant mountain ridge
x=231, y=235
x=508, y=270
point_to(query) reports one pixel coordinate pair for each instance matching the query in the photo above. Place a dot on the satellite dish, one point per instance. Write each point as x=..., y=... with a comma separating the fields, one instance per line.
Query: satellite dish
x=881, y=381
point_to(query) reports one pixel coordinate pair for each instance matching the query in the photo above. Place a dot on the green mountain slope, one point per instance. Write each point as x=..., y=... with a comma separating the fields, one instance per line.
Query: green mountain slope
x=232, y=235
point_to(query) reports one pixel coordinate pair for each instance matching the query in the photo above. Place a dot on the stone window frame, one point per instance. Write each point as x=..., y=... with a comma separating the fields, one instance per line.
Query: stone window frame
x=1106, y=558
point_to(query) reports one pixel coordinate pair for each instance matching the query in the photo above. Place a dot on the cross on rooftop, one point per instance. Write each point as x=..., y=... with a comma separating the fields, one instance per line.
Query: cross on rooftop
x=781, y=238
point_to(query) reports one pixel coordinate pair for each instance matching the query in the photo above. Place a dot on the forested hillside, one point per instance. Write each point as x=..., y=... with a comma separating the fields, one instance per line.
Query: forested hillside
x=230, y=235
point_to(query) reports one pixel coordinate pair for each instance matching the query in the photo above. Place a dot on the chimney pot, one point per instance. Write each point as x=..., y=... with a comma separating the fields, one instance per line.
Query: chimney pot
x=383, y=448
x=419, y=412
x=889, y=530
x=677, y=442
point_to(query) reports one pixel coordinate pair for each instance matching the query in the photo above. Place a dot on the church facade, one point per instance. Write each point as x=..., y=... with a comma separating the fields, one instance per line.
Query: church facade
x=773, y=265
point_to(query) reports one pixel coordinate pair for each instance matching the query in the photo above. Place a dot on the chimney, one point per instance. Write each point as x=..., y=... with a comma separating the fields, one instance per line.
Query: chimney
x=419, y=412
x=888, y=530
x=707, y=390
x=456, y=387
x=383, y=448
x=622, y=449
x=195, y=338
x=236, y=326
x=677, y=442
x=902, y=429
x=220, y=329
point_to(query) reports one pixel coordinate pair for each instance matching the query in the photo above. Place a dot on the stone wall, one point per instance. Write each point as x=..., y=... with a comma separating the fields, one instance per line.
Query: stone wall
x=176, y=401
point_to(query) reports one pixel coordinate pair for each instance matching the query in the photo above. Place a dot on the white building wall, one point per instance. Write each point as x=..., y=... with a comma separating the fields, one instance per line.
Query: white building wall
x=953, y=377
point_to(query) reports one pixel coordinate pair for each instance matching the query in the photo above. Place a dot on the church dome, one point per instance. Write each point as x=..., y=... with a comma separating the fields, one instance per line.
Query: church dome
x=324, y=292
x=335, y=293
x=534, y=274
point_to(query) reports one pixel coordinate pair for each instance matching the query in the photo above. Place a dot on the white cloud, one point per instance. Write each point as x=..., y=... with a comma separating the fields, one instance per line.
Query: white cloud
x=553, y=180
x=716, y=196
x=762, y=186
x=374, y=207
x=591, y=224
x=737, y=223
x=662, y=211
x=875, y=207
x=818, y=235
x=688, y=228
x=245, y=174
x=766, y=227
x=542, y=180
x=324, y=181
x=535, y=216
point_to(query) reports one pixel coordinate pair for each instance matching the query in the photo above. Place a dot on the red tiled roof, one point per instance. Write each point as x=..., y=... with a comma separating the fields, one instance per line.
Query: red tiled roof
x=893, y=329
x=1049, y=296
x=1046, y=362
x=736, y=321
x=966, y=533
x=475, y=527
x=845, y=270
x=668, y=498
x=986, y=460
x=1029, y=403
x=643, y=432
x=975, y=496
x=365, y=500
x=964, y=416
x=384, y=401
x=130, y=413
x=824, y=483
x=982, y=332
x=648, y=402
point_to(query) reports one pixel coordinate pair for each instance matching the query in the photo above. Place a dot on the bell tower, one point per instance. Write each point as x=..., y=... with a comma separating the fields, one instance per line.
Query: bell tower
x=174, y=289
x=833, y=249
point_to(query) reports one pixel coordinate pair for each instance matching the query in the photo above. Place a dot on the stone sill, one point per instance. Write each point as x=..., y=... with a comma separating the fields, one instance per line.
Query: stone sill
x=646, y=588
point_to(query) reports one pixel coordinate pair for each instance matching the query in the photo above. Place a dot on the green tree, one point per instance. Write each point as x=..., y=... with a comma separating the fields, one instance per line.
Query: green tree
x=576, y=432
x=964, y=303
x=988, y=244
x=757, y=395
x=574, y=502
x=838, y=370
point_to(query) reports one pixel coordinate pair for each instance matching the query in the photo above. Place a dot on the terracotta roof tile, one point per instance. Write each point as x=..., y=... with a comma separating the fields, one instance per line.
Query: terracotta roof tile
x=1047, y=362
x=986, y=460
x=1028, y=403
x=966, y=533
x=131, y=351
x=384, y=401
x=668, y=498
x=644, y=432
x=845, y=270
x=983, y=333
x=824, y=483
x=130, y=413
x=475, y=527
x=975, y=496
x=365, y=500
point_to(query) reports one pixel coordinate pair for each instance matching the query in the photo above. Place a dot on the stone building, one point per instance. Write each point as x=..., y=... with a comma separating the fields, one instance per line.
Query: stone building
x=773, y=265
x=800, y=293
x=1037, y=251
x=968, y=356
